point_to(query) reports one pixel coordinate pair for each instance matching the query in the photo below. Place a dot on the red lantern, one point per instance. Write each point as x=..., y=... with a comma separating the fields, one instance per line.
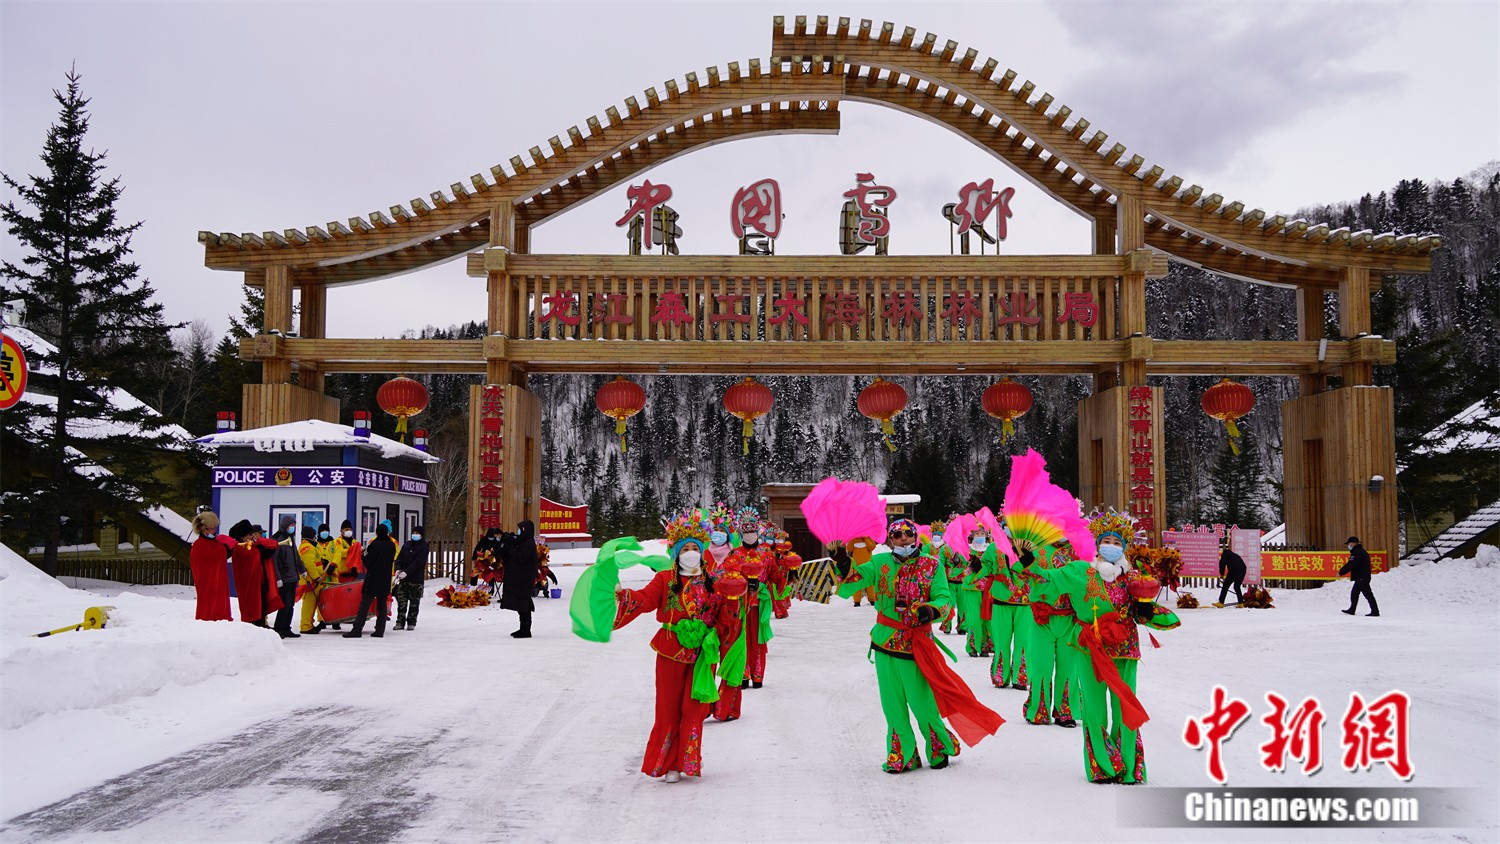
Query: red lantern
x=402, y=398
x=620, y=399
x=748, y=401
x=1227, y=401
x=881, y=401
x=1006, y=401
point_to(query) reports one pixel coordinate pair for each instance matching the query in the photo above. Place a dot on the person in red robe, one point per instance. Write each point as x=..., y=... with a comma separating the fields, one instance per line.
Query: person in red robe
x=207, y=560
x=756, y=562
x=254, y=572
x=690, y=605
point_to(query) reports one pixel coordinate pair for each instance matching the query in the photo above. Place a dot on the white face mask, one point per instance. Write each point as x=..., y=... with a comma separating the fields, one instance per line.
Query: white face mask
x=979, y=544
x=688, y=561
x=904, y=550
x=750, y=538
x=348, y=534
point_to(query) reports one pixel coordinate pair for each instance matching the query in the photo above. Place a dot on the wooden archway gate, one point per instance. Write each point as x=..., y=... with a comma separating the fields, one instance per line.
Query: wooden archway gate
x=1335, y=440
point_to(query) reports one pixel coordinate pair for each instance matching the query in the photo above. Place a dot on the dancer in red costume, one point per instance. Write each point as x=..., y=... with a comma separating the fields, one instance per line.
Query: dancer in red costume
x=756, y=562
x=695, y=617
x=208, y=560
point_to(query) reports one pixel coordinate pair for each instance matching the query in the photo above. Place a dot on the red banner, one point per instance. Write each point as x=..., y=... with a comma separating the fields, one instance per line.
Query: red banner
x=560, y=518
x=1312, y=565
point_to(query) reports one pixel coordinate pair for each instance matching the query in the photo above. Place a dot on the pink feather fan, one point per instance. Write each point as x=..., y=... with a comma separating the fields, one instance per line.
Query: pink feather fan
x=838, y=511
x=1042, y=513
x=956, y=536
x=985, y=518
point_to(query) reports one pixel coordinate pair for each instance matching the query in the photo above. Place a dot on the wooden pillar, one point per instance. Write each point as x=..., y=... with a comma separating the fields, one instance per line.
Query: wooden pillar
x=1354, y=320
x=1130, y=220
x=498, y=283
x=312, y=323
x=1120, y=454
x=505, y=432
x=279, y=319
x=1333, y=444
x=1310, y=327
x=1104, y=244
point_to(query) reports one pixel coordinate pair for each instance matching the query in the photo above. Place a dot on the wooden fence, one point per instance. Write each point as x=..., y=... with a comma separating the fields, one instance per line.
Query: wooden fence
x=135, y=572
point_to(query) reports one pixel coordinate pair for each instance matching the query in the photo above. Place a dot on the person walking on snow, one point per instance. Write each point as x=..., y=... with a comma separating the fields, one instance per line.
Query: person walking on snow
x=911, y=592
x=380, y=564
x=1004, y=597
x=1358, y=569
x=756, y=562
x=411, y=575
x=288, y=571
x=697, y=616
x=1232, y=569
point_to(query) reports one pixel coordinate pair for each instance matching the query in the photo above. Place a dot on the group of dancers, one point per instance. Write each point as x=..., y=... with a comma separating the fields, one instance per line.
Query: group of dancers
x=1049, y=593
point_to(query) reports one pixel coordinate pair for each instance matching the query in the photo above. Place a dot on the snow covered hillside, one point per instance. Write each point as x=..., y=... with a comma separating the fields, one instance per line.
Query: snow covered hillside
x=166, y=729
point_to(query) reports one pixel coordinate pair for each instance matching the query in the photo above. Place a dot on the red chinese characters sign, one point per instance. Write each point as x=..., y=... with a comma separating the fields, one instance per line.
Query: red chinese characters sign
x=644, y=199
x=757, y=208
x=562, y=518
x=1313, y=565
x=1142, y=451
x=491, y=455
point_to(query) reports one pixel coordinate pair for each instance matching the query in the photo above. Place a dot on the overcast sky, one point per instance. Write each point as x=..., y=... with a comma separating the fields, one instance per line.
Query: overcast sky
x=255, y=116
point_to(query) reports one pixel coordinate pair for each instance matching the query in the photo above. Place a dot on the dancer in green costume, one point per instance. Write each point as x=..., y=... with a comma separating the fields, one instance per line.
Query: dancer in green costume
x=1005, y=604
x=1109, y=599
x=1050, y=639
x=911, y=592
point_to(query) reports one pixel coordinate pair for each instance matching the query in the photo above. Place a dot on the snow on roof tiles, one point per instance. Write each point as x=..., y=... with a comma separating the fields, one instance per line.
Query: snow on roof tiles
x=310, y=433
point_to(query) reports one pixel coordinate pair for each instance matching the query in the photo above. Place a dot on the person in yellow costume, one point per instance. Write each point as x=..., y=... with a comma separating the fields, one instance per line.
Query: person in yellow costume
x=345, y=553
x=314, y=579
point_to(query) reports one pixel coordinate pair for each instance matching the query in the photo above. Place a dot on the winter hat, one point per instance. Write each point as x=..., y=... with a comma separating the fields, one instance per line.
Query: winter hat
x=902, y=524
x=205, y=520
x=241, y=530
x=309, y=532
x=1353, y=540
x=347, y=525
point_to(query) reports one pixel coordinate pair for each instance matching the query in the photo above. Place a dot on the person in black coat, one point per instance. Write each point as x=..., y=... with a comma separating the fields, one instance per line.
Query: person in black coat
x=518, y=552
x=380, y=563
x=411, y=575
x=1358, y=569
x=1232, y=569
x=288, y=571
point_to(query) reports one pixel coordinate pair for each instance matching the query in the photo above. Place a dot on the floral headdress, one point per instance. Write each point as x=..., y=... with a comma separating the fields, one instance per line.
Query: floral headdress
x=719, y=518
x=1114, y=522
x=747, y=520
x=684, y=528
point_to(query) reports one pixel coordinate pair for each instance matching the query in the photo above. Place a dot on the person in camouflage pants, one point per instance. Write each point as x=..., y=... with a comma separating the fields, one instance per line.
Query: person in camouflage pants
x=411, y=571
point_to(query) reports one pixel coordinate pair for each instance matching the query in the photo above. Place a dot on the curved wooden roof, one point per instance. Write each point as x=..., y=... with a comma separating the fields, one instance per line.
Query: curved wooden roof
x=798, y=91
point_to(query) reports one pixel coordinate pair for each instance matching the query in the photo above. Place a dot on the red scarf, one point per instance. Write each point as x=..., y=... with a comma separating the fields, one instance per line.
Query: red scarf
x=1131, y=710
x=969, y=718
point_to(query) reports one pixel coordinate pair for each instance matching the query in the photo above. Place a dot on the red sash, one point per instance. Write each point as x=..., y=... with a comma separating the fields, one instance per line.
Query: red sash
x=1131, y=710
x=969, y=718
x=1043, y=613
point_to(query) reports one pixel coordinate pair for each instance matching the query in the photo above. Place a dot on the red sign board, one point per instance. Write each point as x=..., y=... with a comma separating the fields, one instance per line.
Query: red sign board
x=12, y=372
x=561, y=518
x=1313, y=565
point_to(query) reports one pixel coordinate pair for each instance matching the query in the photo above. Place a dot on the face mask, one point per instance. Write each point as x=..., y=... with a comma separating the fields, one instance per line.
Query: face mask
x=416, y=537
x=348, y=534
x=750, y=538
x=1112, y=553
x=719, y=538
x=688, y=561
x=979, y=544
x=904, y=550
x=324, y=536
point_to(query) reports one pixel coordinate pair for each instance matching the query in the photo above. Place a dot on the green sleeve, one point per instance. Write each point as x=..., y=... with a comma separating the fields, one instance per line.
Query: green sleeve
x=1048, y=585
x=1162, y=618
x=860, y=577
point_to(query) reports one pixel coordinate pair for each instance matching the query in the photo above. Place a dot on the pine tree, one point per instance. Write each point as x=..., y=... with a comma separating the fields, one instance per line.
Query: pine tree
x=1238, y=491
x=83, y=294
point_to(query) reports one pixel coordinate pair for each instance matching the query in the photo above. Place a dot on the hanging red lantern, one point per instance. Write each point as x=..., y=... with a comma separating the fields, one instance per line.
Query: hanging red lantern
x=402, y=398
x=748, y=401
x=881, y=401
x=620, y=399
x=1227, y=401
x=1006, y=401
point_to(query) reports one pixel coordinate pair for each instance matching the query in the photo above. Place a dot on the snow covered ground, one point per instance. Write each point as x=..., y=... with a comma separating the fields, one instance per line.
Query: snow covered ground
x=160, y=728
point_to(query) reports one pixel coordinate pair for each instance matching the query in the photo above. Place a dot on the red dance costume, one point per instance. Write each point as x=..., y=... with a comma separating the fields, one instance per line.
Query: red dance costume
x=676, y=742
x=252, y=574
x=758, y=565
x=208, y=560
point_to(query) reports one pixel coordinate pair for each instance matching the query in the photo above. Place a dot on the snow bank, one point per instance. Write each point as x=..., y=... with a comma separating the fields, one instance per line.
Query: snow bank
x=150, y=643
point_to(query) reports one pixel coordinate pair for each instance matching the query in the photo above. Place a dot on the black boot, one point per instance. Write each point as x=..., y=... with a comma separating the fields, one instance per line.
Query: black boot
x=355, y=634
x=1347, y=612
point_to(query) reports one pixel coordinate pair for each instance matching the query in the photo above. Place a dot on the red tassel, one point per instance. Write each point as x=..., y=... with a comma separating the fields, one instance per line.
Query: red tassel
x=1152, y=637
